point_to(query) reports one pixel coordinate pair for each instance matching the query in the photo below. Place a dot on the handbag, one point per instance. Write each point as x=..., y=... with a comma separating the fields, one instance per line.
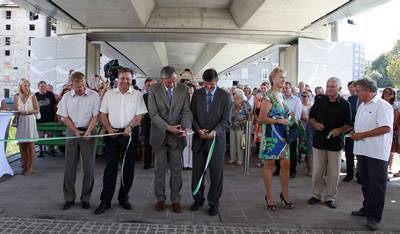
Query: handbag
x=293, y=133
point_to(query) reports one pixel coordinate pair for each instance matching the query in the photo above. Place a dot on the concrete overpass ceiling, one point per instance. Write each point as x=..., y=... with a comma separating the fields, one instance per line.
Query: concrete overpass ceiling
x=194, y=3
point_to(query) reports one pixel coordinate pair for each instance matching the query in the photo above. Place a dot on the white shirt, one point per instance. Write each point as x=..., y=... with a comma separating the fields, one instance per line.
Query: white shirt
x=80, y=109
x=294, y=105
x=122, y=108
x=374, y=114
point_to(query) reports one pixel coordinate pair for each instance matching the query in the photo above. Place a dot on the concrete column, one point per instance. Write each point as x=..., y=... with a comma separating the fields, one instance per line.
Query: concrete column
x=92, y=60
x=334, y=31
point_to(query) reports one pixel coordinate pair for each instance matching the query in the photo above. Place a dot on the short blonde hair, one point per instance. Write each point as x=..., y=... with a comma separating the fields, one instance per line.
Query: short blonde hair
x=23, y=82
x=274, y=72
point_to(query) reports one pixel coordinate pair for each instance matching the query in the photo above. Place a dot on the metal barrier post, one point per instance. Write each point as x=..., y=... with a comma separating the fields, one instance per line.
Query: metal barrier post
x=248, y=148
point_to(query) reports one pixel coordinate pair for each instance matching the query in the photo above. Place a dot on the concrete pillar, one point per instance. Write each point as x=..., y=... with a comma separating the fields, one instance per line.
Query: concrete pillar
x=288, y=60
x=334, y=31
x=92, y=60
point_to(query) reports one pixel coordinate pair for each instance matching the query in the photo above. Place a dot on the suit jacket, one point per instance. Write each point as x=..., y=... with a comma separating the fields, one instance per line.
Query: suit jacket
x=162, y=115
x=353, y=100
x=218, y=118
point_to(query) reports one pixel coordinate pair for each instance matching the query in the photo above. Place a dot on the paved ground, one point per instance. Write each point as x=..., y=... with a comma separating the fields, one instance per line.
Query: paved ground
x=33, y=204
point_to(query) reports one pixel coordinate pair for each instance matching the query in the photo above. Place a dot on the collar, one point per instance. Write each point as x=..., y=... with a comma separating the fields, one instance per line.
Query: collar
x=73, y=94
x=290, y=97
x=166, y=89
x=212, y=92
x=130, y=90
x=374, y=99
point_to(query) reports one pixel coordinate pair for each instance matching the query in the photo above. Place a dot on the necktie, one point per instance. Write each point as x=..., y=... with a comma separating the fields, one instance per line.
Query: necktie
x=208, y=101
x=169, y=94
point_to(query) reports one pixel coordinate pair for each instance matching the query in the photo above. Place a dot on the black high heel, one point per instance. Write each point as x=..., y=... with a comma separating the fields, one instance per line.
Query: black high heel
x=271, y=207
x=288, y=205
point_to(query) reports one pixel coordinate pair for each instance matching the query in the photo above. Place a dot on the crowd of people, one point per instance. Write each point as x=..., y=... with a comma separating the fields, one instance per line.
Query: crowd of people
x=177, y=121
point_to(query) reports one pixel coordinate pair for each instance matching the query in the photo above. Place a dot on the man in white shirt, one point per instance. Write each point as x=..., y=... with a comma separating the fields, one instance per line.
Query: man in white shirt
x=121, y=110
x=373, y=132
x=79, y=109
x=294, y=105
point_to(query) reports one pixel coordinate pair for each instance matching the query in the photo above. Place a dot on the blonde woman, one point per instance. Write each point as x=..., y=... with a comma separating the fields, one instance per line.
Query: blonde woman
x=274, y=116
x=26, y=105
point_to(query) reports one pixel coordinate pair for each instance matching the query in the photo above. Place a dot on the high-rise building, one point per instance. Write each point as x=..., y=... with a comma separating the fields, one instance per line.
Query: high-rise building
x=17, y=28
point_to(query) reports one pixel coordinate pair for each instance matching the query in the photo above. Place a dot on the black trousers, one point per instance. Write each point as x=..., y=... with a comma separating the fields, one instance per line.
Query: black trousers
x=114, y=152
x=216, y=170
x=293, y=158
x=373, y=174
x=348, y=150
x=148, y=152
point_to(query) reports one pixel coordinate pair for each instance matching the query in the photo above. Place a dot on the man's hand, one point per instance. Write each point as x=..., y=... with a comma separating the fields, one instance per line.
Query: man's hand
x=335, y=132
x=127, y=131
x=177, y=129
x=202, y=133
x=87, y=135
x=78, y=133
x=211, y=134
x=357, y=136
x=111, y=131
x=319, y=126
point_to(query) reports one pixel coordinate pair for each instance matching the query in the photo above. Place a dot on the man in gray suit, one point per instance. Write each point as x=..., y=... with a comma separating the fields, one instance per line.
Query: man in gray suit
x=211, y=108
x=169, y=109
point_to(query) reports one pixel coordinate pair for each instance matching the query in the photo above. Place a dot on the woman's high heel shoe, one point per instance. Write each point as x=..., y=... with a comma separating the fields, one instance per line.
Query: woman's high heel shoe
x=288, y=205
x=272, y=207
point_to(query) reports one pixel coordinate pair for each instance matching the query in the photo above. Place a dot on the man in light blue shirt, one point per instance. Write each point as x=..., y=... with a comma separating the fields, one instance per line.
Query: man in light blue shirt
x=295, y=107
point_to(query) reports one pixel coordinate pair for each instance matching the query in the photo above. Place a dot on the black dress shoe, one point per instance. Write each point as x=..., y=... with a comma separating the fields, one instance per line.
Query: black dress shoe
x=85, y=205
x=359, y=213
x=196, y=205
x=331, y=204
x=68, y=205
x=126, y=205
x=146, y=167
x=313, y=201
x=102, y=207
x=213, y=210
x=292, y=175
x=348, y=178
x=372, y=225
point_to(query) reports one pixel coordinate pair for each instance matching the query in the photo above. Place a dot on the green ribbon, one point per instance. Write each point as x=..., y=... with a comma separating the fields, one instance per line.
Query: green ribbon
x=123, y=160
x=209, y=156
x=59, y=138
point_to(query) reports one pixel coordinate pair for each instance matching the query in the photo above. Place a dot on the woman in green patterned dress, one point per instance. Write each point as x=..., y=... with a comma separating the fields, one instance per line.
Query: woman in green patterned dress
x=274, y=116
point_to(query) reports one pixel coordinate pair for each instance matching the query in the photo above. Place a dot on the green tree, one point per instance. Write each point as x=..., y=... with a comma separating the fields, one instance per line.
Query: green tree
x=381, y=81
x=393, y=66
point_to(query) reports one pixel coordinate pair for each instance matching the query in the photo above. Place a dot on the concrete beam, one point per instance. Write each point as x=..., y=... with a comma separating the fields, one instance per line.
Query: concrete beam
x=161, y=49
x=242, y=10
x=211, y=50
x=143, y=9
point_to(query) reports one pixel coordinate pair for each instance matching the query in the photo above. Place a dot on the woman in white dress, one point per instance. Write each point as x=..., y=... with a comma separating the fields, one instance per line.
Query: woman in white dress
x=27, y=108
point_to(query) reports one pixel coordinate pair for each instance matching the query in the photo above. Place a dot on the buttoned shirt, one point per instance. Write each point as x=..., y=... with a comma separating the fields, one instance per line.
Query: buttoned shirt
x=294, y=105
x=374, y=114
x=212, y=93
x=79, y=108
x=122, y=107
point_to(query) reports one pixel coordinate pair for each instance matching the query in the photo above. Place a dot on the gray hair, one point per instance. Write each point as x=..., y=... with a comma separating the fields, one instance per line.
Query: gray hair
x=240, y=93
x=337, y=81
x=167, y=71
x=368, y=84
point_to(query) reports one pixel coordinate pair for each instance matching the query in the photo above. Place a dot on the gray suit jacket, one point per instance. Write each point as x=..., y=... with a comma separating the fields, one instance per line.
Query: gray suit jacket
x=162, y=115
x=218, y=118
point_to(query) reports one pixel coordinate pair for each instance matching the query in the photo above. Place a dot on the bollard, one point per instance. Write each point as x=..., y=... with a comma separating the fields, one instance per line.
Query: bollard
x=248, y=149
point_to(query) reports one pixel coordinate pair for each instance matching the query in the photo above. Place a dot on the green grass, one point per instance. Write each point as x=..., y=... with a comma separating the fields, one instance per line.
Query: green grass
x=12, y=147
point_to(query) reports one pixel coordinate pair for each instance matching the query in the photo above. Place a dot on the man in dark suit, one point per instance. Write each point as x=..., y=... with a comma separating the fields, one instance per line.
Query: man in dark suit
x=169, y=109
x=349, y=143
x=211, y=108
x=146, y=125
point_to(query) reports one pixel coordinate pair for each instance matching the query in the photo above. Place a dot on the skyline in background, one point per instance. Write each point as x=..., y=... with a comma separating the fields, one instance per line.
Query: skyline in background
x=377, y=29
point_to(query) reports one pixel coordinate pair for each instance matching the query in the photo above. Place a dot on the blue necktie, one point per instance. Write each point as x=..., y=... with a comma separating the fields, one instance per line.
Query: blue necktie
x=208, y=101
x=169, y=94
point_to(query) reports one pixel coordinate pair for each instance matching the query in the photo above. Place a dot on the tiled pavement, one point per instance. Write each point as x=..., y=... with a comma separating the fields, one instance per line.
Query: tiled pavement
x=33, y=205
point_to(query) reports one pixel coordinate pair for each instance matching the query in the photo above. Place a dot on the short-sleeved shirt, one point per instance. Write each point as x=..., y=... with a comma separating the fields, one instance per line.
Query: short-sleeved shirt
x=374, y=114
x=80, y=109
x=294, y=105
x=47, y=104
x=122, y=108
x=332, y=115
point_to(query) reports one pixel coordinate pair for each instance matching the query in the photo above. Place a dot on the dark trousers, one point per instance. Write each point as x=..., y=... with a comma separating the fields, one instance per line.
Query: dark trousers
x=148, y=152
x=293, y=159
x=113, y=152
x=373, y=173
x=348, y=149
x=216, y=170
